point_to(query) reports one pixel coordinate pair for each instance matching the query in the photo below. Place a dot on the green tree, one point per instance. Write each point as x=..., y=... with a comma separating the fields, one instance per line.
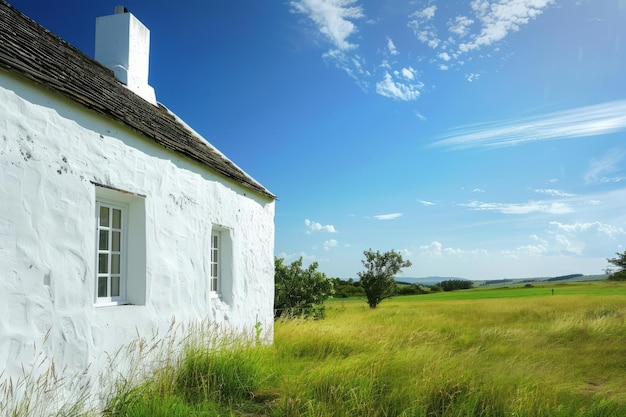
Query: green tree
x=618, y=271
x=377, y=279
x=455, y=284
x=300, y=292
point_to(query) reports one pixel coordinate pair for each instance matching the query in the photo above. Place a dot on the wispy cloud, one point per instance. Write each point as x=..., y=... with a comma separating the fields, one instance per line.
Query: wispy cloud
x=399, y=86
x=426, y=203
x=521, y=208
x=485, y=24
x=390, y=216
x=586, y=121
x=554, y=193
x=608, y=164
x=333, y=19
x=498, y=19
x=391, y=47
x=318, y=227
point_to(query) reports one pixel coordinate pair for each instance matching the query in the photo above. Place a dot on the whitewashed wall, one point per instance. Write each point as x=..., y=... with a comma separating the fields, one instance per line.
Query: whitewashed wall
x=51, y=153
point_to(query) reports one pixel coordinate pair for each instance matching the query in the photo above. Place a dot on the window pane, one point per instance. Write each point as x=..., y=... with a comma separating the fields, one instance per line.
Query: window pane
x=104, y=216
x=116, y=241
x=117, y=218
x=102, y=286
x=213, y=256
x=104, y=240
x=214, y=270
x=115, y=286
x=214, y=284
x=115, y=264
x=103, y=263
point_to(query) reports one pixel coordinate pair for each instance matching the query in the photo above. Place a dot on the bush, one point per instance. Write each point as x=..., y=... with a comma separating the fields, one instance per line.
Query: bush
x=300, y=292
x=410, y=289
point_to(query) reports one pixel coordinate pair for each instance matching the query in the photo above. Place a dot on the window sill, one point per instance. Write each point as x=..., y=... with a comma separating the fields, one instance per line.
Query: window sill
x=111, y=304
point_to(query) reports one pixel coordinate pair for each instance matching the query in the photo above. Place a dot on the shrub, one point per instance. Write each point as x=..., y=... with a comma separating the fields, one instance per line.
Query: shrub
x=300, y=292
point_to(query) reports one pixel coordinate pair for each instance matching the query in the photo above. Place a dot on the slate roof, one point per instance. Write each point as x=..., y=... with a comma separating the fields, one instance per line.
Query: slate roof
x=28, y=49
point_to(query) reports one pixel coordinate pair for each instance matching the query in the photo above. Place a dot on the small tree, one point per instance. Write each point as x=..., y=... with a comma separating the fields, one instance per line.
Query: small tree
x=618, y=273
x=377, y=279
x=300, y=292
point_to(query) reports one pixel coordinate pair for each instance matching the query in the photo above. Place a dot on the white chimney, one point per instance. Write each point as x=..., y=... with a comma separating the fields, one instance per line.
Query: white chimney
x=123, y=45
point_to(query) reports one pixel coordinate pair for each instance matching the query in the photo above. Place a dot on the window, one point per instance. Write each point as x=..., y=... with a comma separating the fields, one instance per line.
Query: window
x=215, y=265
x=111, y=282
x=120, y=242
x=220, y=264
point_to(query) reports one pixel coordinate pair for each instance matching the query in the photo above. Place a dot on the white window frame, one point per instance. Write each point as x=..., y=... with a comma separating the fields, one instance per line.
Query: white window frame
x=215, y=263
x=134, y=279
x=107, y=270
x=220, y=264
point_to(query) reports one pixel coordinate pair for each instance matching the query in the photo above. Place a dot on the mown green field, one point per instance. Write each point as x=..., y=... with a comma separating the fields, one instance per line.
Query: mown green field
x=486, y=352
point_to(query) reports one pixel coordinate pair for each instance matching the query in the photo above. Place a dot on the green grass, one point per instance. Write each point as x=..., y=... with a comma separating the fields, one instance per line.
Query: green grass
x=488, y=352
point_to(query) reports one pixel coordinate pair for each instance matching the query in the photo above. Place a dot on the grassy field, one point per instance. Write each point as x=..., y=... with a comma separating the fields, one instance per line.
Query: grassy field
x=487, y=352
x=514, y=351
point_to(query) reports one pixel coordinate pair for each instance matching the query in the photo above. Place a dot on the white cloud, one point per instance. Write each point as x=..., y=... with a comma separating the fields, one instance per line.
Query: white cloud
x=408, y=73
x=525, y=250
x=473, y=77
x=290, y=257
x=609, y=163
x=330, y=244
x=612, y=179
x=318, y=227
x=500, y=18
x=593, y=120
x=420, y=116
x=576, y=248
x=333, y=18
x=574, y=228
x=398, y=90
x=555, y=193
x=426, y=203
x=427, y=13
x=390, y=216
x=460, y=26
x=521, y=208
x=391, y=47
x=436, y=250
x=485, y=24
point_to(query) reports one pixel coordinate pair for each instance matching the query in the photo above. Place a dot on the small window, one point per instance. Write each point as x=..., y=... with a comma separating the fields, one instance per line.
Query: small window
x=120, y=243
x=219, y=261
x=215, y=265
x=111, y=232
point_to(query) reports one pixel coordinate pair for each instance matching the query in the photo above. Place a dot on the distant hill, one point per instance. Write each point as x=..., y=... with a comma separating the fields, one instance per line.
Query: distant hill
x=505, y=281
x=425, y=280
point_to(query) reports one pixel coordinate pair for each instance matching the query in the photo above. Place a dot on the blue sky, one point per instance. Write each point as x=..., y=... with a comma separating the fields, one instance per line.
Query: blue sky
x=483, y=139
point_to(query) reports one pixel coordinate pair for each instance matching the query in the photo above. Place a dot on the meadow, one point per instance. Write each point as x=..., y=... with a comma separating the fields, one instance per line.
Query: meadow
x=524, y=352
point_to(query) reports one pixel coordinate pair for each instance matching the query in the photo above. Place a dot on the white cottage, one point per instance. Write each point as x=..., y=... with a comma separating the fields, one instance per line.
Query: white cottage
x=115, y=216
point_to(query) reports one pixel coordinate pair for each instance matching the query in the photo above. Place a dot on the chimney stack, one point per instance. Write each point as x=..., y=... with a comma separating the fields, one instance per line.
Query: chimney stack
x=123, y=45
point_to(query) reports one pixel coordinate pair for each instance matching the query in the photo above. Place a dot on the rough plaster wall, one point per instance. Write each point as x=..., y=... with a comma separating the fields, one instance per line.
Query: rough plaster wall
x=50, y=153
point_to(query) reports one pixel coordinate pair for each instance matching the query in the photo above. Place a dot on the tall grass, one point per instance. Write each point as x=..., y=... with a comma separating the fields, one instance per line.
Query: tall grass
x=517, y=355
x=524, y=353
